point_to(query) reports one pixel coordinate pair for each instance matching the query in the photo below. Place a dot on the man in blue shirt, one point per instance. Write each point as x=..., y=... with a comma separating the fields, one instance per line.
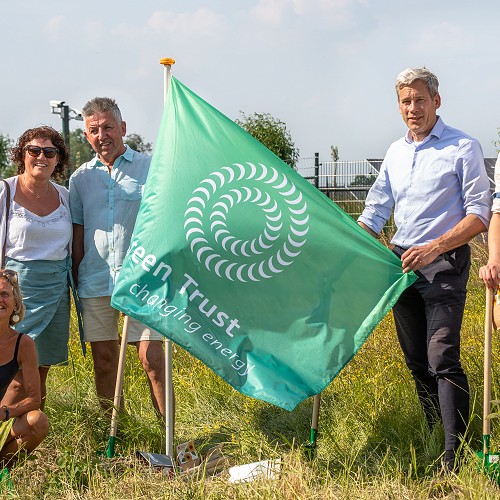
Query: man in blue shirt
x=105, y=194
x=435, y=180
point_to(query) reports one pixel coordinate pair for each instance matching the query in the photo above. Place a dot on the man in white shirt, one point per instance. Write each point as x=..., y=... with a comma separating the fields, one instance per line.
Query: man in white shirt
x=435, y=180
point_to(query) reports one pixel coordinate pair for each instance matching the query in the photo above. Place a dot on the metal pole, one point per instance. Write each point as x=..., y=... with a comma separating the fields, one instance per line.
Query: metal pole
x=316, y=170
x=65, y=123
x=169, y=388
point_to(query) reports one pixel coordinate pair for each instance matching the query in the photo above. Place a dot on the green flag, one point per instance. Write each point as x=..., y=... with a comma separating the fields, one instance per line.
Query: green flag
x=239, y=260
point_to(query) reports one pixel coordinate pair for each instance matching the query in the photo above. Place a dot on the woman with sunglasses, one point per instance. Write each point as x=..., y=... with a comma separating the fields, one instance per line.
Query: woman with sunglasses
x=37, y=242
x=22, y=425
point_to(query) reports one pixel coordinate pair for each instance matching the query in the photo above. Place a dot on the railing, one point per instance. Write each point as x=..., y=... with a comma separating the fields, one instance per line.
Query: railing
x=347, y=182
x=344, y=182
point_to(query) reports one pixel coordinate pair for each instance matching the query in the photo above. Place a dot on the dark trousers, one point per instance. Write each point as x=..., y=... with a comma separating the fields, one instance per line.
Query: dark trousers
x=428, y=317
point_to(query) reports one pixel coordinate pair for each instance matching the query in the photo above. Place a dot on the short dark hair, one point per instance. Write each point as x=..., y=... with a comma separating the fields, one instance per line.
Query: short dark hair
x=42, y=132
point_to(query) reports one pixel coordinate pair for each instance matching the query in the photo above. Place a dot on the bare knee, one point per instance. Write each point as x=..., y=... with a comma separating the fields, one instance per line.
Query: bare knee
x=38, y=423
x=28, y=431
x=105, y=356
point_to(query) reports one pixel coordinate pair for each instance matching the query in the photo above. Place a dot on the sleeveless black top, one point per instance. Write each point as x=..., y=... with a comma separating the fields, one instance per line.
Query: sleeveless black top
x=8, y=370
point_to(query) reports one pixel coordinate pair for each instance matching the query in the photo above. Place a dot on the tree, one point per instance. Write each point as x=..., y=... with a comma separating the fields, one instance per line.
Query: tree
x=273, y=133
x=362, y=180
x=334, y=152
x=80, y=149
x=135, y=141
x=7, y=169
x=497, y=142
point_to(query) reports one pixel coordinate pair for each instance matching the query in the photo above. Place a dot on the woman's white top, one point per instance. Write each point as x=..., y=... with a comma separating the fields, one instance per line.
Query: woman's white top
x=35, y=237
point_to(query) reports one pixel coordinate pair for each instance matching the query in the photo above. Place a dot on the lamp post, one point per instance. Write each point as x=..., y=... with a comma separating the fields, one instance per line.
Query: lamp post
x=67, y=114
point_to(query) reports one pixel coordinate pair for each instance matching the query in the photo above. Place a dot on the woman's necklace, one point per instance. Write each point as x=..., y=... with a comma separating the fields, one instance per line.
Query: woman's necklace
x=36, y=195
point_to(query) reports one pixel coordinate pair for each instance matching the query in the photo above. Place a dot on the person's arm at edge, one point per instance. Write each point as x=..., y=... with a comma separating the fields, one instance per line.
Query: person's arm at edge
x=367, y=229
x=489, y=273
x=31, y=379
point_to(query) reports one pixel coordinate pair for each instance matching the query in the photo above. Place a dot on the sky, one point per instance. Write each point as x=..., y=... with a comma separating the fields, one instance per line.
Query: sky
x=326, y=68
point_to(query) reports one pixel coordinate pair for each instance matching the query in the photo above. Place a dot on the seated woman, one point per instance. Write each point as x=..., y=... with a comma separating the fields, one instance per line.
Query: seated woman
x=23, y=425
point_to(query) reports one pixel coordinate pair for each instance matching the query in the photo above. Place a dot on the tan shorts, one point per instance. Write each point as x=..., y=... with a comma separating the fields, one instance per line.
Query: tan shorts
x=100, y=322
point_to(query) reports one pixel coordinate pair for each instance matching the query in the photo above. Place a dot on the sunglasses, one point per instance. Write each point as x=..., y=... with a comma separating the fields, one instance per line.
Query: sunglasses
x=35, y=151
x=10, y=276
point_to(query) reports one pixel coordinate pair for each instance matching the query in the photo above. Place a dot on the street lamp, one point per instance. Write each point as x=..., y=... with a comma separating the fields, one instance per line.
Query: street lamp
x=67, y=114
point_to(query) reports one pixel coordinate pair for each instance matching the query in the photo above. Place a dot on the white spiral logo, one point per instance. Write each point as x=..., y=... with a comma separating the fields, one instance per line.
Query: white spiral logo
x=208, y=227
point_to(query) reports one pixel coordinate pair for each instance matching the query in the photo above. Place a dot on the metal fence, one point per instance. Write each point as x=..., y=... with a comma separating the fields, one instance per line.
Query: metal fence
x=344, y=182
x=348, y=182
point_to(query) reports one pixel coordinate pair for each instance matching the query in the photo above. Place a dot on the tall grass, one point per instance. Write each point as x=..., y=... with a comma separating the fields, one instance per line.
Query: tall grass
x=373, y=441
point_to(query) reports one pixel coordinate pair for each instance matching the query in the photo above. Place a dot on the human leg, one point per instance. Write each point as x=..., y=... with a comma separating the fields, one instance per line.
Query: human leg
x=149, y=344
x=43, y=371
x=445, y=307
x=439, y=294
x=411, y=327
x=152, y=358
x=27, y=432
x=101, y=330
x=105, y=356
x=52, y=343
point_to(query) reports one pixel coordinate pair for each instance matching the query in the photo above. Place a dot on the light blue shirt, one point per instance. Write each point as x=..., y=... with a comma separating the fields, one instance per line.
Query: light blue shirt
x=432, y=186
x=106, y=205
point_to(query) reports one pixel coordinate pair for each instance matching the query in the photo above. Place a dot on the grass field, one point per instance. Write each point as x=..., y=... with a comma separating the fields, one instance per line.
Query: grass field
x=373, y=442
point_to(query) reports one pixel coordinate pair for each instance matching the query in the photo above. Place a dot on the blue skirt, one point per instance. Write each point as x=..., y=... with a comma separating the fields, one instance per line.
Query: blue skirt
x=45, y=288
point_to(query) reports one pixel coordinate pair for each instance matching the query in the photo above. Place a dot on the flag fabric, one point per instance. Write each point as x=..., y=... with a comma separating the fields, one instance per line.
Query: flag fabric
x=243, y=263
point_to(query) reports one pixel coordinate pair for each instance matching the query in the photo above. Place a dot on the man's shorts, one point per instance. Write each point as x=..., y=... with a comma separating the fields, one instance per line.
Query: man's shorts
x=100, y=322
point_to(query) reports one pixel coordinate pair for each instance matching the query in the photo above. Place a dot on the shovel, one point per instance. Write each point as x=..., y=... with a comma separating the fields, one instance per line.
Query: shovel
x=490, y=462
x=156, y=460
x=310, y=447
x=110, y=451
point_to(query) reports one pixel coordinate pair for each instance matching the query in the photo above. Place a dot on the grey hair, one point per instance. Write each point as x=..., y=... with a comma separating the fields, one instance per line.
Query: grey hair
x=102, y=105
x=409, y=75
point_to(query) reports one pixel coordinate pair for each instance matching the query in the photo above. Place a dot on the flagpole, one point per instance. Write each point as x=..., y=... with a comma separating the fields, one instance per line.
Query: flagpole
x=167, y=63
x=169, y=389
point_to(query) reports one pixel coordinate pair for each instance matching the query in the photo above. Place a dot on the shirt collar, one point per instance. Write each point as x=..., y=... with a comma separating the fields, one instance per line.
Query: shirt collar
x=128, y=155
x=437, y=131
